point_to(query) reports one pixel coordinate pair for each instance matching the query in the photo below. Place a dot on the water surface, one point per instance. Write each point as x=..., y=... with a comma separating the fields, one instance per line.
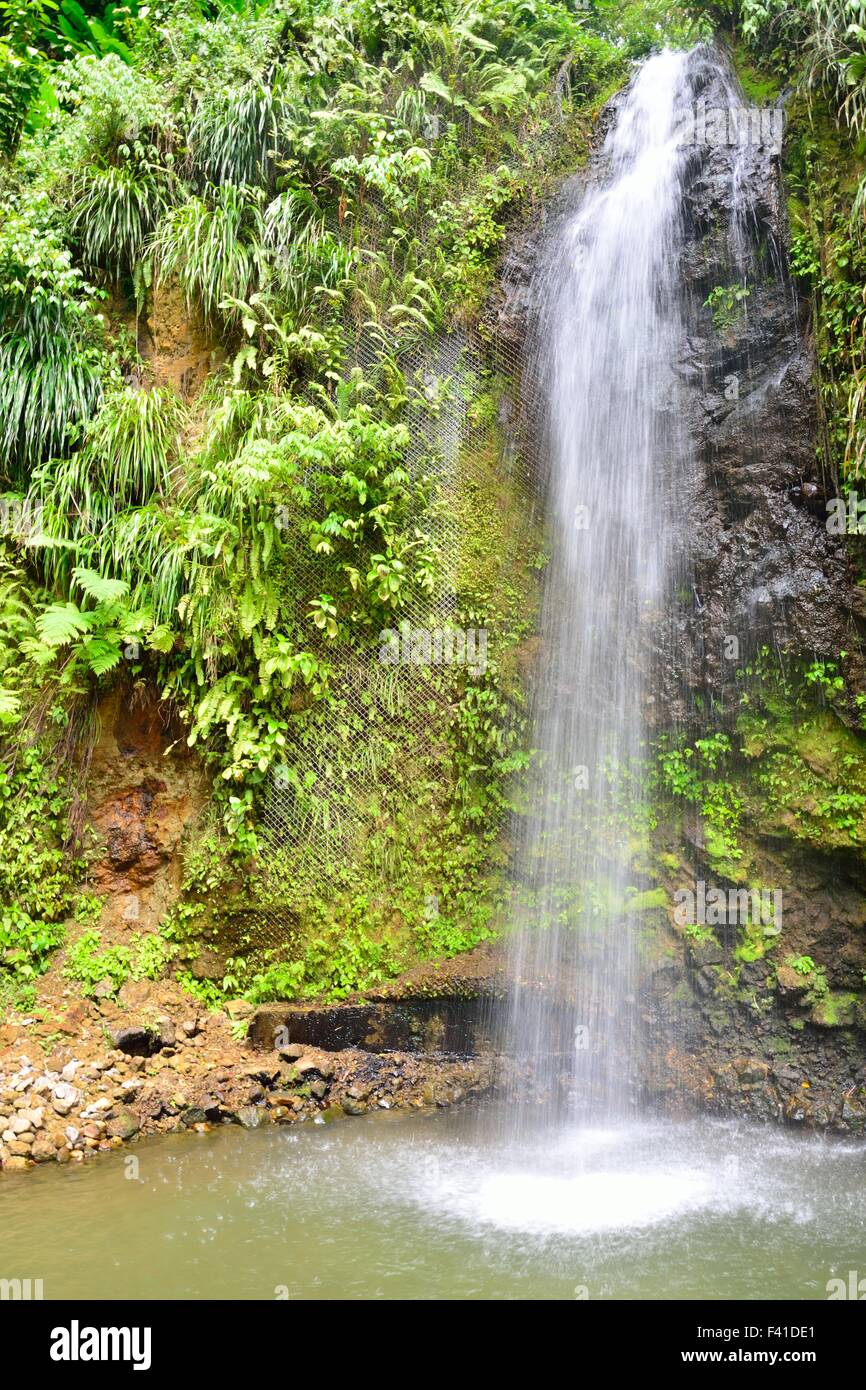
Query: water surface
x=437, y=1207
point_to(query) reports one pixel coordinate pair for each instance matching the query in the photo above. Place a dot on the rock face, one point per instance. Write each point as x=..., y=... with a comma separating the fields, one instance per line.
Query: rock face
x=759, y=568
x=749, y=511
x=766, y=569
x=140, y=802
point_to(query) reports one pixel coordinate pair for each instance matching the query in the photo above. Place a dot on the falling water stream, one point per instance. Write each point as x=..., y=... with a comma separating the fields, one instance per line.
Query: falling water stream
x=607, y=333
x=605, y=1202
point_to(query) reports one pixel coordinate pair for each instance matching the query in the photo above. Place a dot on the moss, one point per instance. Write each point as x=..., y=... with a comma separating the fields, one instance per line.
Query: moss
x=651, y=899
x=836, y=1011
x=761, y=88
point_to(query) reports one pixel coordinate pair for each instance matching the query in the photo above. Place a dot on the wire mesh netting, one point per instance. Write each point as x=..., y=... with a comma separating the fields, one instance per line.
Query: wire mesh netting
x=392, y=700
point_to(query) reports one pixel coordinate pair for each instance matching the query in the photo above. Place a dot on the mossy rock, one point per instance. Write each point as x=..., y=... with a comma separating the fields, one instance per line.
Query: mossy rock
x=837, y=1011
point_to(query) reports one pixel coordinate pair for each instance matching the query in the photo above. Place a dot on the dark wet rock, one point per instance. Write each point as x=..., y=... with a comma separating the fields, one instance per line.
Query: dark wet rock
x=449, y=1024
x=193, y=1115
x=703, y=953
x=140, y=1040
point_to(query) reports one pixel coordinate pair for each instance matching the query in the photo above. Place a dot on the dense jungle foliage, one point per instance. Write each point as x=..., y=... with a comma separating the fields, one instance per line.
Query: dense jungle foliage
x=300, y=176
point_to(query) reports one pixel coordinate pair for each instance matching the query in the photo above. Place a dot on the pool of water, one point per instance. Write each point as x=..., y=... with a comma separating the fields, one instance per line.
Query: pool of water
x=440, y=1206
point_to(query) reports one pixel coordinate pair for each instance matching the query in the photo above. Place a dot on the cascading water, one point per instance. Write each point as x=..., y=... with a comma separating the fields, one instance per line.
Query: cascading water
x=608, y=327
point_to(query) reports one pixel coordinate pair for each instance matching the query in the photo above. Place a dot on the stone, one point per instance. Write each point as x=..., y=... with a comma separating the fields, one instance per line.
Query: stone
x=72, y=1020
x=707, y=952
x=790, y=982
x=319, y=1065
x=64, y=1097
x=252, y=1116
x=193, y=1116
x=43, y=1151
x=17, y=1164
x=353, y=1107
x=135, y=1040
x=123, y=1125
x=207, y=965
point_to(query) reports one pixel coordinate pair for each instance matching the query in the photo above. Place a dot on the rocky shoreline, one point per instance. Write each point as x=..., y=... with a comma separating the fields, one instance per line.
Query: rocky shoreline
x=105, y=1073
x=96, y=1087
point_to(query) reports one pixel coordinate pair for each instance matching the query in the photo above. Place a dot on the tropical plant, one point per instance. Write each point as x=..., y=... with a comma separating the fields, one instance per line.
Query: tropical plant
x=52, y=366
x=213, y=244
x=117, y=204
x=234, y=135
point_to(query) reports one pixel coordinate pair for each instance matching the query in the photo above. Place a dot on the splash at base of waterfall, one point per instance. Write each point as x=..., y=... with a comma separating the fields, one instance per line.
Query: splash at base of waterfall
x=433, y=1207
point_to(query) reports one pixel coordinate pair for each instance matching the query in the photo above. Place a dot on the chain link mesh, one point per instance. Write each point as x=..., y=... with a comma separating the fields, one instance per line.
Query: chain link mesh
x=383, y=720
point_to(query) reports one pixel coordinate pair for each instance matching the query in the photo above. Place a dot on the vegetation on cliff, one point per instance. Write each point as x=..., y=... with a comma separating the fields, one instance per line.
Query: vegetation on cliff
x=320, y=191
x=317, y=193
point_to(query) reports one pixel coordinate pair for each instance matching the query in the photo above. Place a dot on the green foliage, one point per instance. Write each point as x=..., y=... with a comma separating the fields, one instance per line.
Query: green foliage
x=37, y=874
x=117, y=203
x=804, y=965
x=147, y=957
x=825, y=675
x=82, y=33
x=213, y=244
x=309, y=175
x=726, y=302
x=20, y=80
x=51, y=361
x=332, y=966
x=683, y=773
x=235, y=134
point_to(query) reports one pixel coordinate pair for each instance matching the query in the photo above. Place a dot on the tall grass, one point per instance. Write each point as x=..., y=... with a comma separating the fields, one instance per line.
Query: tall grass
x=836, y=56
x=213, y=245
x=49, y=381
x=116, y=207
x=234, y=135
x=124, y=464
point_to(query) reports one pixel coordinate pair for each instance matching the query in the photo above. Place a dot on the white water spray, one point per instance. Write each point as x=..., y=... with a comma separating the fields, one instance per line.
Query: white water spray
x=607, y=335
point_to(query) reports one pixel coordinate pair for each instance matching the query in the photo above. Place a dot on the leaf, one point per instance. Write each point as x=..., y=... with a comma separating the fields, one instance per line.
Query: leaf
x=9, y=705
x=97, y=586
x=61, y=623
x=101, y=655
x=433, y=83
x=161, y=639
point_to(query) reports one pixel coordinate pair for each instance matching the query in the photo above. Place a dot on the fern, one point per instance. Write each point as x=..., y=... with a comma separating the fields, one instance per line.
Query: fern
x=98, y=587
x=61, y=623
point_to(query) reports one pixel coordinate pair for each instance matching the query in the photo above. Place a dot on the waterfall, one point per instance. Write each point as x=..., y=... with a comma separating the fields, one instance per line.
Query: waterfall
x=608, y=324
